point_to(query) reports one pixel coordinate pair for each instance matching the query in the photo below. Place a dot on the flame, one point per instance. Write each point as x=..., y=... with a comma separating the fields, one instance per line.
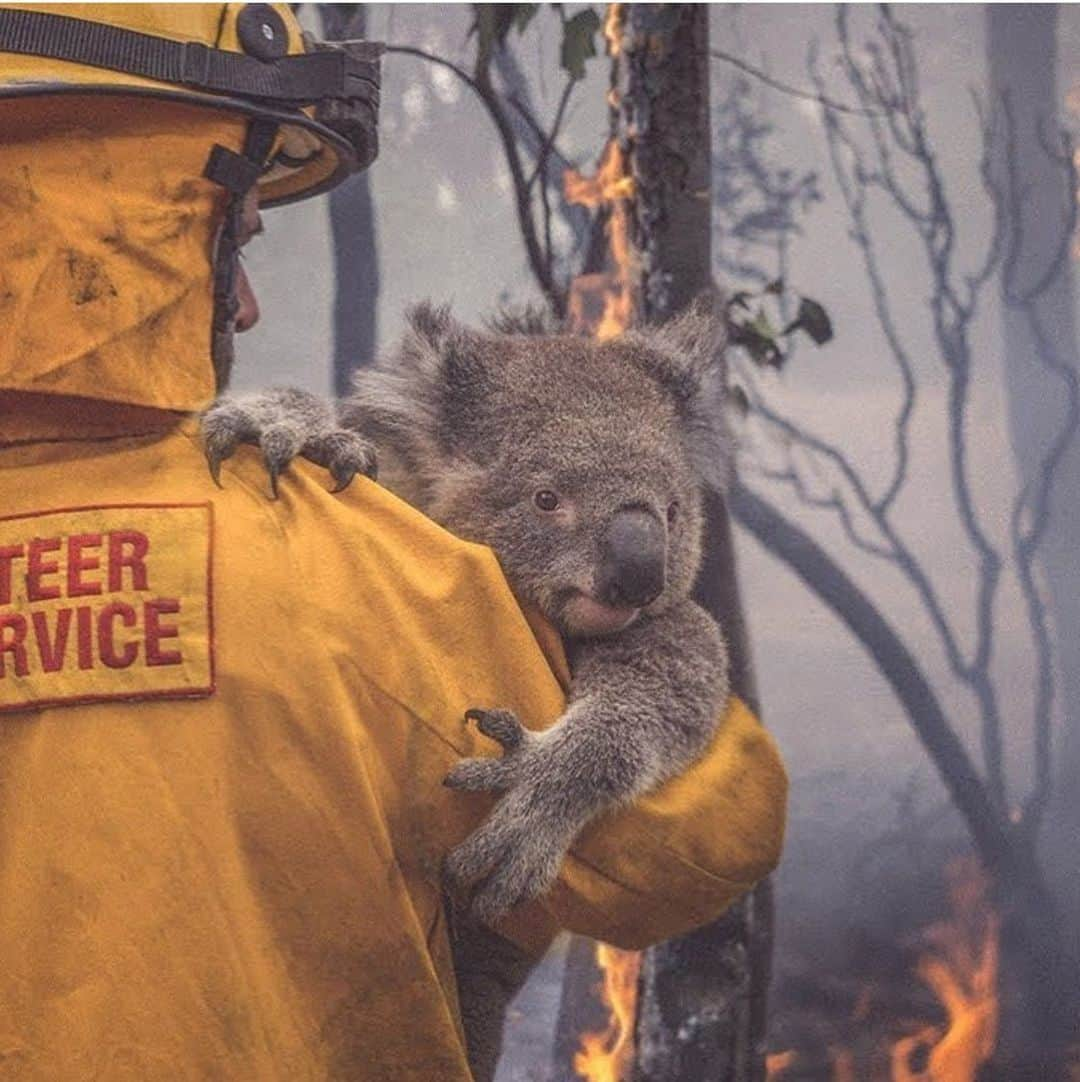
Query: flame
x=959, y=964
x=961, y=969
x=614, y=22
x=603, y=304
x=843, y=1064
x=608, y=1055
x=776, y=1063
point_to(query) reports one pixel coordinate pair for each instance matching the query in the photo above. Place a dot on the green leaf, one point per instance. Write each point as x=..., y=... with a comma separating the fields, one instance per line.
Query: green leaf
x=492, y=22
x=763, y=326
x=813, y=319
x=761, y=347
x=578, y=43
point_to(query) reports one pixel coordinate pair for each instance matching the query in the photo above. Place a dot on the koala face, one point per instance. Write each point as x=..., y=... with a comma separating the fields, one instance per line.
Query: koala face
x=578, y=462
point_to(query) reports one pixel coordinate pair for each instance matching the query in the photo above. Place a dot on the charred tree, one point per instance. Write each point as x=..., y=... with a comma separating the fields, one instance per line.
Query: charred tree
x=352, y=227
x=1022, y=55
x=701, y=998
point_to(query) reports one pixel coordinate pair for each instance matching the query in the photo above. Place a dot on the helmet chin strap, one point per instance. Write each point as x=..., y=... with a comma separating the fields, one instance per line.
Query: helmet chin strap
x=237, y=173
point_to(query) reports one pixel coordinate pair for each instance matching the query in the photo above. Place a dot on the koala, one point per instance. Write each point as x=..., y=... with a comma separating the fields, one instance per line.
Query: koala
x=583, y=465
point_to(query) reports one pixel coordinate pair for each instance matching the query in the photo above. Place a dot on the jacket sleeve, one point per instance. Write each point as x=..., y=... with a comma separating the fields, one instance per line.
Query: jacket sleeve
x=678, y=857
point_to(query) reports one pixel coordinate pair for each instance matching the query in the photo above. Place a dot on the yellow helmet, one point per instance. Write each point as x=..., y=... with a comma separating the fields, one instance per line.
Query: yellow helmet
x=313, y=105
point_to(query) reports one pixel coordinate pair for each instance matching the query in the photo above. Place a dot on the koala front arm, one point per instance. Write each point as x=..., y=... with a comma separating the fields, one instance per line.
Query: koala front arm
x=643, y=705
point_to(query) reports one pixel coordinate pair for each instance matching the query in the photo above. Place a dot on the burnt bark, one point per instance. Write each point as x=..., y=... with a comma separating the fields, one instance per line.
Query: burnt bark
x=580, y=1008
x=1021, y=54
x=702, y=998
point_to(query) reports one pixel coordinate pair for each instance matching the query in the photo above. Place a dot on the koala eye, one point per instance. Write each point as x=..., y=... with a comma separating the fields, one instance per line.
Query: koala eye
x=672, y=512
x=546, y=500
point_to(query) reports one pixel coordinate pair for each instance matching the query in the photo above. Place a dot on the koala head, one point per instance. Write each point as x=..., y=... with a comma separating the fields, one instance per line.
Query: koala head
x=581, y=463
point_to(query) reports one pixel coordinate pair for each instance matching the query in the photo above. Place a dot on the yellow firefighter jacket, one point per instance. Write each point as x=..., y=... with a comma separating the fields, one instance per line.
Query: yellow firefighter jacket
x=224, y=721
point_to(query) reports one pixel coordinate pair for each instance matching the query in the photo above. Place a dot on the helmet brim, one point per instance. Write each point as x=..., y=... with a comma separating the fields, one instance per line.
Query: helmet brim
x=332, y=157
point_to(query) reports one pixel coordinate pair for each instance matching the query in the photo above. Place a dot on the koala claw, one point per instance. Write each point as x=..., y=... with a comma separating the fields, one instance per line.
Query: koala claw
x=500, y=725
x=214, y=462
x=344, y=454
x=492, y=775
x=515, y=882
x=224, y=428
x=280, y=444
x=285, y=423
x=479, y=776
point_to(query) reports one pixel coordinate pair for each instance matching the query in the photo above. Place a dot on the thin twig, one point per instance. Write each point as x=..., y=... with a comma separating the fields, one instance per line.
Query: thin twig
x=549, y=140
x=480, y=83
x=784, y=88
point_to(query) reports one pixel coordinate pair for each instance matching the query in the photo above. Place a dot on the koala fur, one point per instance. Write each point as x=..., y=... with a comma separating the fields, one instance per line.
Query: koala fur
x=582, y=464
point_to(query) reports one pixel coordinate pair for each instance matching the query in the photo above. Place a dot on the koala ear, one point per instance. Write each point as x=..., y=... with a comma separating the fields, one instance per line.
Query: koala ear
x=420, y=397
x=689, y=347
x=686, y=356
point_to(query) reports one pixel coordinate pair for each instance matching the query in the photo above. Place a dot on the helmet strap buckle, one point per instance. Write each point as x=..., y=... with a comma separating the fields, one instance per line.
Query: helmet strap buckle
x=195, y=64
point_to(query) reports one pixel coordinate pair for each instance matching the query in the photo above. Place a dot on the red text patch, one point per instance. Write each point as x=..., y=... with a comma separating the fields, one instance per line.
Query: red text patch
x=101, y=603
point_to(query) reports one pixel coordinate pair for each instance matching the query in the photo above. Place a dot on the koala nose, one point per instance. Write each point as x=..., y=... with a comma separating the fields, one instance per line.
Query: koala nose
x=632, y=559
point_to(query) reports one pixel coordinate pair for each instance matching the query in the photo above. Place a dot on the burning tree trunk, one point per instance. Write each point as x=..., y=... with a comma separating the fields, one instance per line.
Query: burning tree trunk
x=700, y=1011
x=701, y=999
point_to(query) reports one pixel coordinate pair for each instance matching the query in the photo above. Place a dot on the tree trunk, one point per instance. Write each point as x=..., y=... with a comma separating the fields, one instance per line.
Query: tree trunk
x=1022, y=55
x=1022, y=58
x=701, y=1010
x=352, y=226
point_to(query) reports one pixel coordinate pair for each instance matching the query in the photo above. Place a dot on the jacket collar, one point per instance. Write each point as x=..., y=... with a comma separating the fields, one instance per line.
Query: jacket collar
x=38, y=418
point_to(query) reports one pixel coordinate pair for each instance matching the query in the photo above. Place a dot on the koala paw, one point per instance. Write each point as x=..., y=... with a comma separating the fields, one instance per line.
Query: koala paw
x=285, y=423
x=516, y=853
x=492, y=775
x=507, y=861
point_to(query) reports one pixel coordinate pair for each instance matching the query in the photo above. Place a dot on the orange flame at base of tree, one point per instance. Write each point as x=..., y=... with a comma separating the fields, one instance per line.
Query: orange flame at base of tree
x=961, y=969
x=608, y=1055
x=960, y=966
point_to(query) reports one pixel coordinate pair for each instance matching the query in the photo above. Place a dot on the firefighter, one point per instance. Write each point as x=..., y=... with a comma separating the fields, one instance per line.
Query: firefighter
x=224, y=721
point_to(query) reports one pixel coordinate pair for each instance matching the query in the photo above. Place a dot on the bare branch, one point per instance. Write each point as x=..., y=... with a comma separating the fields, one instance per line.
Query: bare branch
x=898, y=551
x=979, y=277
x=836, y=589
x=480, y=83
x=549, y=139
x=840, y=142
x=762, y=76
